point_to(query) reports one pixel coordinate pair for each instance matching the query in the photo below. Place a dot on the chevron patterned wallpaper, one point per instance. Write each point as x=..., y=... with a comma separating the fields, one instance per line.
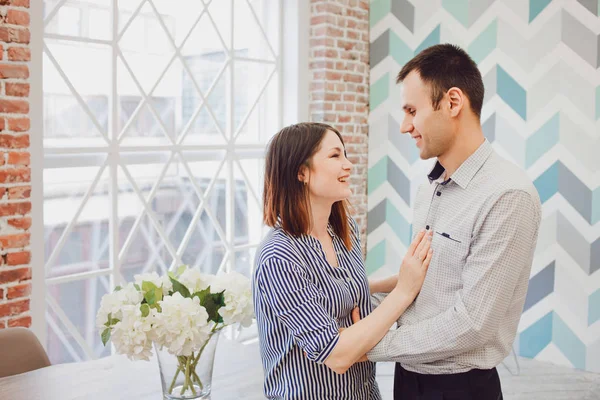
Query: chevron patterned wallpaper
x=540, y=61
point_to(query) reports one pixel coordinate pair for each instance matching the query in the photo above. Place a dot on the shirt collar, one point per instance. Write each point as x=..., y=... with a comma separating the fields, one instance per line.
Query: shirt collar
x=467, y=170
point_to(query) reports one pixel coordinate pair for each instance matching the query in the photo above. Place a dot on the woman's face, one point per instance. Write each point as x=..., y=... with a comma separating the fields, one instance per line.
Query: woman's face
x=329, y=173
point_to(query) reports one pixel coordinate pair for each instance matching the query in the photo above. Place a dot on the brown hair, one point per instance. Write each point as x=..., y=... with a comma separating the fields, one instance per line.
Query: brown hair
x=285, y=198
x=444, y=66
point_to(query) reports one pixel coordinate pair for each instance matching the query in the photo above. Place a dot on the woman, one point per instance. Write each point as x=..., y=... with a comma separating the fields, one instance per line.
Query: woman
x=310, y=285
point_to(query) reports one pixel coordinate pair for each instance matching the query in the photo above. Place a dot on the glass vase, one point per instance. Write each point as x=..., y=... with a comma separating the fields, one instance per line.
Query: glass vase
x=188, y=377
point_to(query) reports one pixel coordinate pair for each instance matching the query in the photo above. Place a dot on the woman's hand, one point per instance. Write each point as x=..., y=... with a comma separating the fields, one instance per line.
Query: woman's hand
x=415, y=263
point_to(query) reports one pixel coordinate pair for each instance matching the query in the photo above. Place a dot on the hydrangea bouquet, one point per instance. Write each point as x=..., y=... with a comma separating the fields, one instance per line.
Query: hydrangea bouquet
x=179, y=314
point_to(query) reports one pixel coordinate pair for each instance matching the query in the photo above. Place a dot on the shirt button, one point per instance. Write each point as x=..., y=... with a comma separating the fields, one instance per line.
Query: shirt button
x=427, y=227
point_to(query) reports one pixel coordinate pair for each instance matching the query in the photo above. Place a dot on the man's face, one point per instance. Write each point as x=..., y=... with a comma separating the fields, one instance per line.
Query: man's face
x=431, y=129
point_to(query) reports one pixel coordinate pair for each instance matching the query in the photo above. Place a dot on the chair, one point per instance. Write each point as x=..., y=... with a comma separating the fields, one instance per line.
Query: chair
x=20, y=351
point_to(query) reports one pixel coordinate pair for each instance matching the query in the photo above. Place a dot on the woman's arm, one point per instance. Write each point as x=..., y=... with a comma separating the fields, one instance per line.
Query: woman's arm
x=355, y=341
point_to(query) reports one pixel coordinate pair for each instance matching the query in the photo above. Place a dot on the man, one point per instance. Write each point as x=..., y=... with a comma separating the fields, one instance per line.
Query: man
x=485, y=215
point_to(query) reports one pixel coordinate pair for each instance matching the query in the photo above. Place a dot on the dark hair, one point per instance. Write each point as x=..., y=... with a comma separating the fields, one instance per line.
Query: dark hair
x=285, y=198
x=444, y=66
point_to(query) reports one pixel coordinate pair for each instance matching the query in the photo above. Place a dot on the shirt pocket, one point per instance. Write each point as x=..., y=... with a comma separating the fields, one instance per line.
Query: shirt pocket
x=450, y=251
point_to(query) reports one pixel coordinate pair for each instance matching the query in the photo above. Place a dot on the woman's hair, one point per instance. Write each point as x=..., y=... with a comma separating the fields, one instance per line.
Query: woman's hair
x=286, y=199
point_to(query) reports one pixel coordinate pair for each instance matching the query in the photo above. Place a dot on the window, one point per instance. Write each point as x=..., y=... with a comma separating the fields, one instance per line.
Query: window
x=153, y=146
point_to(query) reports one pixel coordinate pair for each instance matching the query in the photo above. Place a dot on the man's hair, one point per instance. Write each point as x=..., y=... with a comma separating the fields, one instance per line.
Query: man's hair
x=444, y=66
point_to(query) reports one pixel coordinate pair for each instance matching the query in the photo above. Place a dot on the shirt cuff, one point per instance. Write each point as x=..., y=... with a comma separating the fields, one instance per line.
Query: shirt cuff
x=322, y=356
x=379, y=352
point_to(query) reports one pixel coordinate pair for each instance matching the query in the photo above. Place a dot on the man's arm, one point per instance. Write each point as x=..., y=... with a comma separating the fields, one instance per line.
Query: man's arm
x=500, y=253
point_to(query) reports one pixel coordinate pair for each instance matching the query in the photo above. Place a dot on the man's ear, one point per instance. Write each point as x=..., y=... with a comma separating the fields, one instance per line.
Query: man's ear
x=457, y=100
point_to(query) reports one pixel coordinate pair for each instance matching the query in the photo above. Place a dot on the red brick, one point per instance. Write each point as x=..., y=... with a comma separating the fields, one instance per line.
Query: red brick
x=1, y=294
x=15, y=175
x=10, y=209
x=18, y=158
x=19, y=192
x=14, y=35
x=20, y=223
x=14, y=106
x=18, y=124
x=15, y=275
x=17, y=89
x=18, y=258
x=14, y=141
x=19, y=54
x=23, y=321
x=16, y=3
x=15, y=241
x=14, y=71
x=15, y=292
x=2, y=324
x=16, y=17
x=2, y=191
x=14, y=308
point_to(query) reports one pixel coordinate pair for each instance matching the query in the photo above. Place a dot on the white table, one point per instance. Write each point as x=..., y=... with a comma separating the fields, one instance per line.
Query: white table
x=237, y=374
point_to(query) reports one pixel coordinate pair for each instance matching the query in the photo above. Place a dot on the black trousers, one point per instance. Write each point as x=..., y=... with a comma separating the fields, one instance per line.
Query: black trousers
x=477, y=384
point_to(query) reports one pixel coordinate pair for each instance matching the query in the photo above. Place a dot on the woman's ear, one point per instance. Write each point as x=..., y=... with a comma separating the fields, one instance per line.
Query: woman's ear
x=303, y=174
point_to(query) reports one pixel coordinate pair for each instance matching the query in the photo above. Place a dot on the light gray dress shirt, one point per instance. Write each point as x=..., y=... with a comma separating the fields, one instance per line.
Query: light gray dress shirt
x=485, y=220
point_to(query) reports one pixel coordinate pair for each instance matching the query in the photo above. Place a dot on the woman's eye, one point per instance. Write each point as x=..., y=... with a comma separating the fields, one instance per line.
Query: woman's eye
x=412, y=112
x=335, y=155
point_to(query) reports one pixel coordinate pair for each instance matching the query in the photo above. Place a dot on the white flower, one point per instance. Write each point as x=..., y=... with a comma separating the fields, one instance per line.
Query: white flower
x=182, y=326
x=112, y=303
x=131, y=335
x=158, y=281
x=238, y=298
x=194, y=280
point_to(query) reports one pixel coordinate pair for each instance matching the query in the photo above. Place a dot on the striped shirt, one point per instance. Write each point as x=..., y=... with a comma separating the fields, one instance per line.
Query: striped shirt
x=485, y=220
x=301, y=301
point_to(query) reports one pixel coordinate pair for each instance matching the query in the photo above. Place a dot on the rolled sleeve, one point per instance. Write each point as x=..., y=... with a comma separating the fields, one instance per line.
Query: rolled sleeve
x=298, y=304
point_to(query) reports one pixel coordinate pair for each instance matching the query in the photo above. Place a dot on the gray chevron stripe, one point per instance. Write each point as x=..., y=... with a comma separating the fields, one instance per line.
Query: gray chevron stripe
x=571, y=239
x=489, y=128
x=591, y=5
x=379, y=48
x=540, y=286
x=575, y=192
x=405, y=12
x=399, y=181
x=376, y=217
x=580, y=39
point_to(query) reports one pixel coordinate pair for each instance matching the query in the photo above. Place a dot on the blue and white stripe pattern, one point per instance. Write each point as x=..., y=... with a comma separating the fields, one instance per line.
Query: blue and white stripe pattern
x=301, y=301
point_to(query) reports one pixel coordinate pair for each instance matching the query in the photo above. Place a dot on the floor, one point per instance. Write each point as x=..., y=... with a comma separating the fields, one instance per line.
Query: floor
x=536, y=381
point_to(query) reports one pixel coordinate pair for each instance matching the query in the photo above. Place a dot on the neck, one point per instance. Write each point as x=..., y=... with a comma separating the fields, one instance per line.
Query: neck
x=466, y=143
x=320, y=210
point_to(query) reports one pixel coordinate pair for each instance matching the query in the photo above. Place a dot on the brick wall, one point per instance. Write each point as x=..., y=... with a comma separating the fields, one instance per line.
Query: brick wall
x=15, y=174
x=339, y=83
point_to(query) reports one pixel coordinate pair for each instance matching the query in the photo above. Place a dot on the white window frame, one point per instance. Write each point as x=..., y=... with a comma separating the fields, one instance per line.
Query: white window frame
x=294, y=81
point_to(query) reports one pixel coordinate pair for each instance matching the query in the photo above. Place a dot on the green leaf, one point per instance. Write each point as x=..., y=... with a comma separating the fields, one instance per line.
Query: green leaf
x=150, y=297
x=212, y=302
x=147, y=286
x=145, y=309
x=179, y=287
x=117, y=288
x=105, y=336
x=201, y=295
